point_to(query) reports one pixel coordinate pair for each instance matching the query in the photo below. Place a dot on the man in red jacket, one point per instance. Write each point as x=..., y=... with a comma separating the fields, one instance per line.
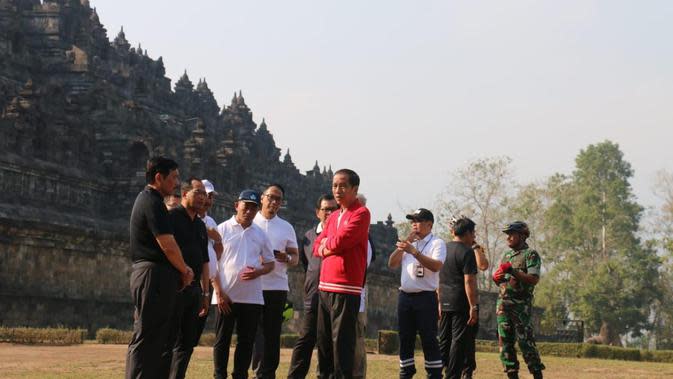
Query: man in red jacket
x=343, y=247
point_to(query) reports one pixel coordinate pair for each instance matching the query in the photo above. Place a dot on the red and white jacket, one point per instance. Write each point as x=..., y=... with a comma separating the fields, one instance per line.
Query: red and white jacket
x=344, y=270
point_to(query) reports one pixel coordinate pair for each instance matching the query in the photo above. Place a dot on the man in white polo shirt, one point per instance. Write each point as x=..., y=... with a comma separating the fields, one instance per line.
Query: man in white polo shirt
x=284, y=243
x=246, y=256
x=421, y=257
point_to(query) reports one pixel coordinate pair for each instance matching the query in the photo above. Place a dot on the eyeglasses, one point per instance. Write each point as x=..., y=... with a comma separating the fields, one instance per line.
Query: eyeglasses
x=199, y=192
x=330, y=209
x=276, y=198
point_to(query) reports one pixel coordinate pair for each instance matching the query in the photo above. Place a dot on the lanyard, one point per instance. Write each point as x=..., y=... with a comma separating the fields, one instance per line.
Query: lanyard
x=426, y=244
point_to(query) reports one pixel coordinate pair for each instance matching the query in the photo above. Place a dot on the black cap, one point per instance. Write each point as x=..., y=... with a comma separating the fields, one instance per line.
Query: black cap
x=421, y=214
x=517, y=227
x=249, y=196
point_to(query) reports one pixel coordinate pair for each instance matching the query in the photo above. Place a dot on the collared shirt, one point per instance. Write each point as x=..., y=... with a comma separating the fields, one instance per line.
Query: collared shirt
x=192, y=238
x=311, y=264
x=243, y=248
x=282, y=237
x=149, y=219
x=212, y=255
x=432, y=247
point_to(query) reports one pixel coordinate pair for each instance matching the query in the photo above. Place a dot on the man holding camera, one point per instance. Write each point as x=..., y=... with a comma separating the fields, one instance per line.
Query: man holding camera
x=517, y=276
x=421, y=256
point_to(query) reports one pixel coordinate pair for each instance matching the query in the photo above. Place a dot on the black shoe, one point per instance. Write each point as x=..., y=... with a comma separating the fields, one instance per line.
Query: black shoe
x=537, y=375
x=513, y=375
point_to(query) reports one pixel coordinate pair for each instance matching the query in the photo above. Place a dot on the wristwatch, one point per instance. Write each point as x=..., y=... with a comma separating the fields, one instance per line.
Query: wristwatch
x=475, y=308
x=206, y=294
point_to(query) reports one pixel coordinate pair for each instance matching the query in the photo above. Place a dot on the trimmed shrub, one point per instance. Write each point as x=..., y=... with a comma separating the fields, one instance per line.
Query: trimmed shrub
x=389, y=343
x=288, y=340
x=371, y=345
x=208, y=339
x=560, y=349
x=47, y=336
x=484, y=346
x=610, y=352
x=113, y=336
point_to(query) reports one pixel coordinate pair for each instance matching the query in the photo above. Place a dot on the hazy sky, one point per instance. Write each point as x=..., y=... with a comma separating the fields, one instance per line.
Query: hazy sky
x=404, y=92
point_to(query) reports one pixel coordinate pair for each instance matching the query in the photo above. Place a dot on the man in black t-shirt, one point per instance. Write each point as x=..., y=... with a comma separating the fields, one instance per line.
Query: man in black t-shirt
x=158, y=269
x=458, y=297
x=192, y=238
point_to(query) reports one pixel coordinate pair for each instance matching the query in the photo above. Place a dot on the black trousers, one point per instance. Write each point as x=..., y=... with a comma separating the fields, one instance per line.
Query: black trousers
x=303, y=349
x=452, y=341
x=470, y=350
x=245, y=318
x=266, y=354
x=153, y=292
x=337, y=323
x=183, y=333
x=417, y=313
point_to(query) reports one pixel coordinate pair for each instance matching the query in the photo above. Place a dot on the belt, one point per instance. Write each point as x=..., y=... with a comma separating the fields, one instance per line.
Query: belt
x=420, y=293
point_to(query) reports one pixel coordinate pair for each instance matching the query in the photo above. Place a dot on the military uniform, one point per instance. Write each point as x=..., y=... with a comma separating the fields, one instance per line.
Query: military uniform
x=514, y=310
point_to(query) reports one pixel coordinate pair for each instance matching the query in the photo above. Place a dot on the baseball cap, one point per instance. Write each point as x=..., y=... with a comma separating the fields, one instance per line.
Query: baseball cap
x=210, y=188
x=421, y=214
x=249, y=196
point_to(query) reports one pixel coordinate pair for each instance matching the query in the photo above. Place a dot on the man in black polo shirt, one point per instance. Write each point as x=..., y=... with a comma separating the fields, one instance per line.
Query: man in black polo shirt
x=158, y=270
x=192, y=238
x=458, y=297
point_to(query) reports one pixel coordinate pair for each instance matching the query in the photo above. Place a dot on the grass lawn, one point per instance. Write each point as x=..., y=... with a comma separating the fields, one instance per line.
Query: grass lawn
x=107, y=361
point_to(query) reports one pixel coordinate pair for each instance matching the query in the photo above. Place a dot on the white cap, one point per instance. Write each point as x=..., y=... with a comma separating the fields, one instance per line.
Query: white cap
x=210, y=188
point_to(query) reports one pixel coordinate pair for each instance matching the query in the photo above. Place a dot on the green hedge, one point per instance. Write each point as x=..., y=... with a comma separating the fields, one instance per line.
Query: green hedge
x=113, y=336
x=288, y=340
x=208, y=339
x=389, y=344
x=47, y=336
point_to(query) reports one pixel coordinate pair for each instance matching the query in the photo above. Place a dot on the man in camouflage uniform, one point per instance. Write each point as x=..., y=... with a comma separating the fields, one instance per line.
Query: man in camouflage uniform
x=516, y=277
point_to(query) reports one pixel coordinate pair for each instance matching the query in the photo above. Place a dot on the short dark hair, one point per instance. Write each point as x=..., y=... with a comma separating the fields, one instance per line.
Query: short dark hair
x=282, y=190
x=324, y=197
x=159, y=165
x=187, y=186
x=463, y=226
x=353, y=177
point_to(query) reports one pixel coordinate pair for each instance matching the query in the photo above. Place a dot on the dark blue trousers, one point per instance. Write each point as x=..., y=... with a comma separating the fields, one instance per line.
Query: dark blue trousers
x=418, y=313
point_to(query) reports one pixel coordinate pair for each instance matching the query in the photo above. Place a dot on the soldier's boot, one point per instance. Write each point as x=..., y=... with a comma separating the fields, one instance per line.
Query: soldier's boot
x=513, y=375
x=537, y=375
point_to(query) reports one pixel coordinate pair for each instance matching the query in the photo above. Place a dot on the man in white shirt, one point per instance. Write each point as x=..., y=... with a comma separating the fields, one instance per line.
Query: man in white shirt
x=246, y=256
x=214, y=246
x=421, y=257
x=275, y=285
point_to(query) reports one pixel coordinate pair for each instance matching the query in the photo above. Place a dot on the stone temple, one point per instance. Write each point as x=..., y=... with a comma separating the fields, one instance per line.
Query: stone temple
x=79, y=116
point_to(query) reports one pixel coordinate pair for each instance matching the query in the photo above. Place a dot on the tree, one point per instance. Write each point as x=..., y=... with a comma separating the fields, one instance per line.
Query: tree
x=663, y=229
x=606, y=276
x=481, y=191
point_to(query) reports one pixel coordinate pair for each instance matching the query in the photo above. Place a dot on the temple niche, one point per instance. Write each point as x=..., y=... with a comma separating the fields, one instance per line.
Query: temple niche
x=79, y=116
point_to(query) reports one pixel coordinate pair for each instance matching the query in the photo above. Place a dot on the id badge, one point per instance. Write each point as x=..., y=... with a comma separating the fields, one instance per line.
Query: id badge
x=420, y=271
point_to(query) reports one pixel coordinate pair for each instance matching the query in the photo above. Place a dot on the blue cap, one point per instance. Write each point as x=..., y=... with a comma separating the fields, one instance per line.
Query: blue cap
x=249, y=196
